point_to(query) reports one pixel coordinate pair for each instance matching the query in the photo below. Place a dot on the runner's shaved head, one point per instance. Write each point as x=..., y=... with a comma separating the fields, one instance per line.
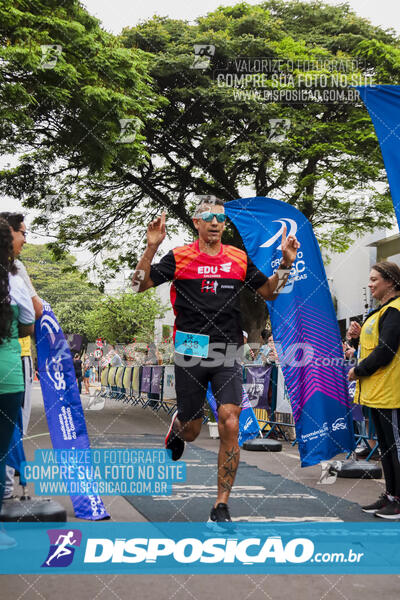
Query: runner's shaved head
x=207, y=202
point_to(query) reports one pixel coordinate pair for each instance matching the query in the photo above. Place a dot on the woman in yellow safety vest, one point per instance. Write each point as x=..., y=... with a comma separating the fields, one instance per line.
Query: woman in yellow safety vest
x=378, y=379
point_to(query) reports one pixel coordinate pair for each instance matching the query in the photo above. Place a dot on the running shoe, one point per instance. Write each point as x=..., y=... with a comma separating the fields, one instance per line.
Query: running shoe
x=220, y=514
x=382, y=501
x=364, y=452
x=173, y=442
x=390, y=511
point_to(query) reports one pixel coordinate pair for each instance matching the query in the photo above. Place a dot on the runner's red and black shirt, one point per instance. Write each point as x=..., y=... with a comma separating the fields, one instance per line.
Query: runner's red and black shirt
x=205, y=289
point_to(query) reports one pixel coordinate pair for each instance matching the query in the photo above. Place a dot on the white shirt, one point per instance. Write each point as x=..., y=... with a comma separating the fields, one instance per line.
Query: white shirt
x=23, y=273
x=20, y=296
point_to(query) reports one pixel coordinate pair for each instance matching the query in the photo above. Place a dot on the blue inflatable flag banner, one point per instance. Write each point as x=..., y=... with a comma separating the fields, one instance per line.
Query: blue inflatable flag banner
x=62, y=402
x=383, y=104
x=304, y=327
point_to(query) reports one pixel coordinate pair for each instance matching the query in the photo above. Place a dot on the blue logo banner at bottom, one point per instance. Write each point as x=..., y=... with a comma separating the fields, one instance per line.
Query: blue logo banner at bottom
x=149, y=548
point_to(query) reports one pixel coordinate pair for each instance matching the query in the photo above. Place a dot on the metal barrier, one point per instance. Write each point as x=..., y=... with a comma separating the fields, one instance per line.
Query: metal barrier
x=271, y=421
x=153, y=386
x=104, y=382
x=147, y=386
x=119, y=389
x=366, y=431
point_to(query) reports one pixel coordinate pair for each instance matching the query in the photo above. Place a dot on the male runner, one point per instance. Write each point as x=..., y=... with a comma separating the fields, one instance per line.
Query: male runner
x=207, y=277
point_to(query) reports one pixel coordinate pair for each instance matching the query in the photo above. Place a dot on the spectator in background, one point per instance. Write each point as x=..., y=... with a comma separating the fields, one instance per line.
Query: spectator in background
x=272, y=355
x=17, y=317
x=18, y=232
x=116, y=360
x=93, y=371
x=78, y=371
x=248, y=354
x=86, y=375
x=378, y=375
x=265, y=349
x=153, y=355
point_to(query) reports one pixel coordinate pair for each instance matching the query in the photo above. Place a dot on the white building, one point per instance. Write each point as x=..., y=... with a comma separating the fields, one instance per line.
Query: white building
x=348, y=272
x=163, y=292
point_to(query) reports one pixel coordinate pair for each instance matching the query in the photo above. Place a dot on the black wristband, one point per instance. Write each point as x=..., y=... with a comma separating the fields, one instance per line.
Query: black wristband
x=285, y=267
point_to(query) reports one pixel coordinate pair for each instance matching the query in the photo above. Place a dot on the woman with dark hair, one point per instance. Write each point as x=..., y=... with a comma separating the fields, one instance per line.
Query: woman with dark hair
x=17, y=317
x=378, y=379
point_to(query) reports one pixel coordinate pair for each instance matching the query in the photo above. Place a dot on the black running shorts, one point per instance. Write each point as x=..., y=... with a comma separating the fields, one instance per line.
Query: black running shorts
x=191, y=387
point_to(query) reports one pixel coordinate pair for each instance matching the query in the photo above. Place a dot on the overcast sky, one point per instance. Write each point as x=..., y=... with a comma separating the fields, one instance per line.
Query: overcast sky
x=117, y=14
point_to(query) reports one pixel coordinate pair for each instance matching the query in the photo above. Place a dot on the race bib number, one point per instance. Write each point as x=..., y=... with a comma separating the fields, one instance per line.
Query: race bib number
x=192, y=344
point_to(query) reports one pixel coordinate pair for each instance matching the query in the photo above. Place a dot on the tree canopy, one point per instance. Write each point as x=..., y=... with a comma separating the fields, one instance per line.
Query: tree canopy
x=124, y=319
x=70, y=294
x=196, y=136
x=81, y=308
x=68, y=92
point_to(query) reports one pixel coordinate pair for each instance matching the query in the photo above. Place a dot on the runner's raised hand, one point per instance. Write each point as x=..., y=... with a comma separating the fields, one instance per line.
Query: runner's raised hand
x=289, y=245
x=156, y=231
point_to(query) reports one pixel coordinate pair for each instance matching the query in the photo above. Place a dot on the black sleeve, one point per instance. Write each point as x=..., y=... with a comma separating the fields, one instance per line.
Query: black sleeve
x=164, y=270
x=78, y=367
x=389, y=341
x=254, y=277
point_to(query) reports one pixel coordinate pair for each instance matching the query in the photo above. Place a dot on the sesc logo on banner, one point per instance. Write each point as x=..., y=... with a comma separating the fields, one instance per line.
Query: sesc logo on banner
x=298, y=271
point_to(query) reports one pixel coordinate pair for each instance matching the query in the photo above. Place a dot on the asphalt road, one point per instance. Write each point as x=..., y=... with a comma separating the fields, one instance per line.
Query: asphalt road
x=120, y=419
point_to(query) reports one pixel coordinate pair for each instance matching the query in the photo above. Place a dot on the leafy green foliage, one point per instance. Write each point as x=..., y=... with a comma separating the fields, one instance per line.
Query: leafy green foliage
x=125, y=318
x=71, y=296
x=63, y=121
x=197, y=137
x=81, y=308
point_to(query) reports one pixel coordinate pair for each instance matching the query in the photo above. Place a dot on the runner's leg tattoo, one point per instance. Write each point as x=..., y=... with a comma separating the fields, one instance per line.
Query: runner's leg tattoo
x=228, y=461
x=228, y=456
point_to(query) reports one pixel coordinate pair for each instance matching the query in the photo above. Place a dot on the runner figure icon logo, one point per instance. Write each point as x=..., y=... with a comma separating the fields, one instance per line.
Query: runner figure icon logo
x=209, y=286
x=62, y=547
